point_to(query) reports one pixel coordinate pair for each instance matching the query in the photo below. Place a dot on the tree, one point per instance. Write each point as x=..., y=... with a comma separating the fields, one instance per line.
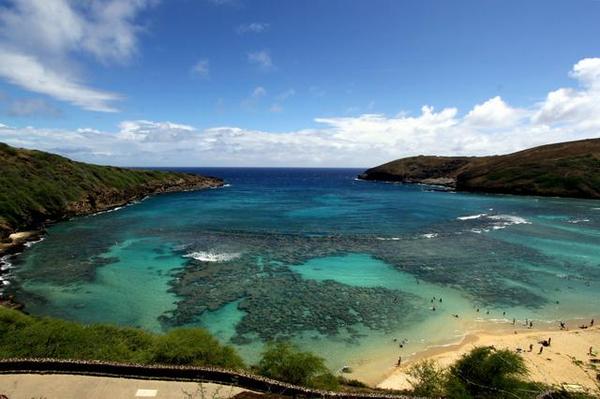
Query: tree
x=283, y=361
x=486, y=373
x=428, y=379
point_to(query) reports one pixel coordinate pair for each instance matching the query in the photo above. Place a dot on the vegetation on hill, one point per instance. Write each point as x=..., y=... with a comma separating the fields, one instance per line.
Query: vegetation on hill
x=23, y=336
x=565, y=169
x=284, y=362
x=36, y=187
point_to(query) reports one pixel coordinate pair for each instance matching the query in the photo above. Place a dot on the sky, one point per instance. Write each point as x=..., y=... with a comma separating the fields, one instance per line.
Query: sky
x=319, y=83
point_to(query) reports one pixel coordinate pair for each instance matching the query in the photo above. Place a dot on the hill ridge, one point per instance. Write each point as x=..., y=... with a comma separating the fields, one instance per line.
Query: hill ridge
x=568, y=169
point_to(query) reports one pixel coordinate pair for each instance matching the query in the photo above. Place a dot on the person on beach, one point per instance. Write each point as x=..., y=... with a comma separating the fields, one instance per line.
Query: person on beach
x=530, y=347
x=514, y=321
x=591, y=322
x=562, y=325
x=549, y=341
x=531, y=324
x=399, y=361
x=590, y=352
x=541, y=350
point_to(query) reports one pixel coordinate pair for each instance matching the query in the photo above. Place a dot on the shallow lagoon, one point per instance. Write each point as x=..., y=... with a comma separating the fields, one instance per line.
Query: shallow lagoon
x=340, y=266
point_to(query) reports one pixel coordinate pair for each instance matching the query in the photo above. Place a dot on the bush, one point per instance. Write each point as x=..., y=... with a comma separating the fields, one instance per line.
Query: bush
x=487, y=373
x=428, y=379
x=193, y=346
x=26, y=336
x=283, y=361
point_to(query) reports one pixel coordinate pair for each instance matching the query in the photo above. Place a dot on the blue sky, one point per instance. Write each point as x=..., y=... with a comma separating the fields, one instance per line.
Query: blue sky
x=304, y=83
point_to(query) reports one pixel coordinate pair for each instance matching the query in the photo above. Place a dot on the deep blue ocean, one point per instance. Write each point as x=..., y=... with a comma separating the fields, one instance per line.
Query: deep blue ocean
x=339, y=266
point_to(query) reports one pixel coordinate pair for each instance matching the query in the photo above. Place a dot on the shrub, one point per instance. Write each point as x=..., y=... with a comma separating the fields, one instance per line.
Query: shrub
x=428, y=379
x=283, y=361
x=486, y=373
x=26, y=336
x=194, y=346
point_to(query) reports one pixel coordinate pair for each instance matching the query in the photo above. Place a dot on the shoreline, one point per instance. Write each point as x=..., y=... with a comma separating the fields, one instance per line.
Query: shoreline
x=19, y=241
x=565, y=362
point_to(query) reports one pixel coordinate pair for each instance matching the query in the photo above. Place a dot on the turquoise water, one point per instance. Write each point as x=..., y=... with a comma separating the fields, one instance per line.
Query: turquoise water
x=342, y=267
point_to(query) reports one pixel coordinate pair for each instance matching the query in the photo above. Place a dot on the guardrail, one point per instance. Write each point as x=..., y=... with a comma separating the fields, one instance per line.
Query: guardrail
x=178, y=373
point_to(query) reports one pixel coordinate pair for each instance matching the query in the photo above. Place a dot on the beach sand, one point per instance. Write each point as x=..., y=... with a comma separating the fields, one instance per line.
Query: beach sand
x=566, y=361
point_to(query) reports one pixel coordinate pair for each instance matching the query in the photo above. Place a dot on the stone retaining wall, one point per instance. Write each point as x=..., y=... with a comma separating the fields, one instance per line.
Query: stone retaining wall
x=176, y=373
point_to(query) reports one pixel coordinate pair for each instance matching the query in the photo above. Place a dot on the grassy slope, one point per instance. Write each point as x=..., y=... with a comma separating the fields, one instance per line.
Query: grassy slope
x=23, y=336
x=565, y=169
x=36, y=186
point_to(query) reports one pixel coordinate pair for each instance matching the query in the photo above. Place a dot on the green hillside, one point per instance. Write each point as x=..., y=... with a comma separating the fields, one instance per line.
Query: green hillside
x=569, y=169
x=36, y=186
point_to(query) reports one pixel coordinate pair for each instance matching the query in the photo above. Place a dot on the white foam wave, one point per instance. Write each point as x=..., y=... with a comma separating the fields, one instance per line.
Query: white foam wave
x=430, y=235
x=503, y=221
x=496, y=222
x=472, y=217
x=29, y=244
x=207, y=256
x=388, y=238
x=5, y=263
x=510, y=219
x=575, y=221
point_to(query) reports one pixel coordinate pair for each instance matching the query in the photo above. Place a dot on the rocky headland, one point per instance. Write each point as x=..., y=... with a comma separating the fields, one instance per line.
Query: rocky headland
x=569, y=169
x=37, y=188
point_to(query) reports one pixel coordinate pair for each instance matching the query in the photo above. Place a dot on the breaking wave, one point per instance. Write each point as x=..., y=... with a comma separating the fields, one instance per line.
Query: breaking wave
x=207, y=256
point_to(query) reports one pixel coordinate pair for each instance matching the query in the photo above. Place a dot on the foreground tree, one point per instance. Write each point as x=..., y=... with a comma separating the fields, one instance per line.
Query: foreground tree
x=488, y=373
x=283, y=361
x=428, y=379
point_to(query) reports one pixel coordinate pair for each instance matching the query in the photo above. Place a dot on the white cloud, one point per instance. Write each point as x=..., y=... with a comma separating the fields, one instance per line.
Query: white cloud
x=262, y=59
x=362, y=141
x=201, y=68
x=493, y=113
x=41, y=40
x=577, y=108
x=254, y=27
x=587, y=72
x=28, y=72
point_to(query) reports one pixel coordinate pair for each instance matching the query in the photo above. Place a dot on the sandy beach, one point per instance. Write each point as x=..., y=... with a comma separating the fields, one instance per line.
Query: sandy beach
x=565, y=361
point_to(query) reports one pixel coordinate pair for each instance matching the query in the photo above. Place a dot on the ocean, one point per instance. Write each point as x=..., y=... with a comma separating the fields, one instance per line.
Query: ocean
x=358, y=272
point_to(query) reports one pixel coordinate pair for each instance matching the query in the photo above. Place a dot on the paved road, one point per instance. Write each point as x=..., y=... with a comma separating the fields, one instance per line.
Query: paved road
x=56, y=386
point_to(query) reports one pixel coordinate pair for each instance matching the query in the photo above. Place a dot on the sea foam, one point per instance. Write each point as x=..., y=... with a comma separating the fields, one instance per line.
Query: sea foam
x=207, y=256
x=472, y=217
